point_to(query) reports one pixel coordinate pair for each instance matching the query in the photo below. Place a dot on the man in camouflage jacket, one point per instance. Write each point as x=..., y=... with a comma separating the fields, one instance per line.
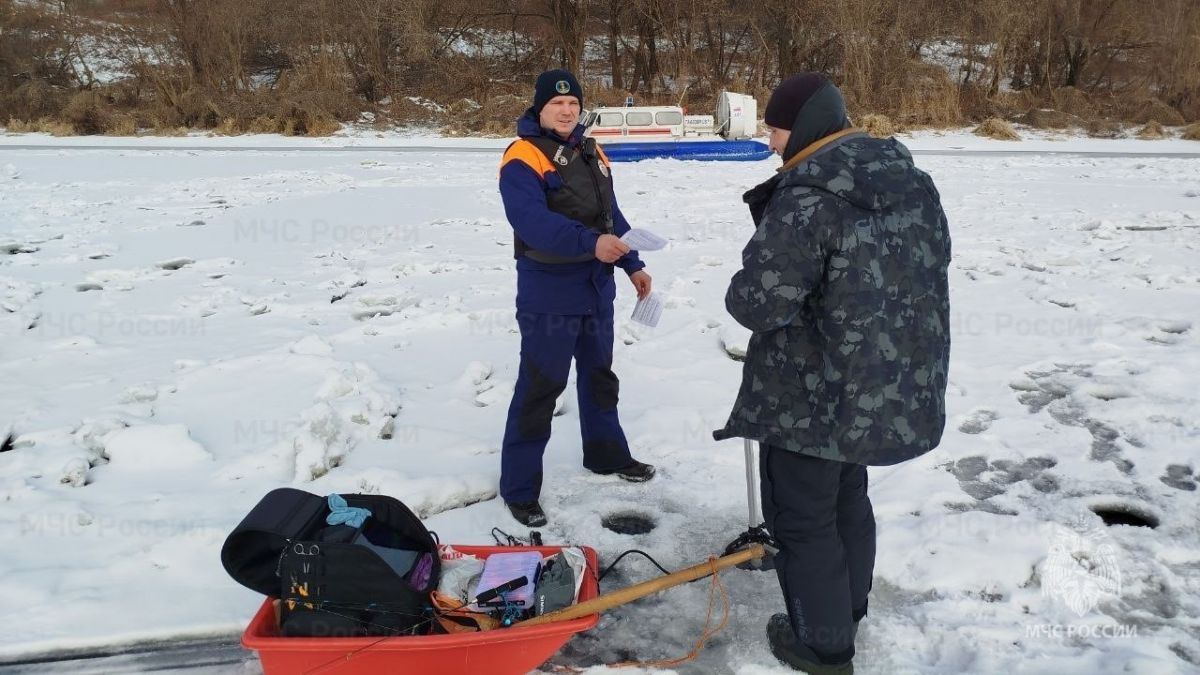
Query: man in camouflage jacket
x=844, y=287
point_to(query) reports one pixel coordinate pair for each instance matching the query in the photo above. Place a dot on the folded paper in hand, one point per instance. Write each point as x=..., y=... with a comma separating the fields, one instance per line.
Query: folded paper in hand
x=648, y=310
x=643, y=240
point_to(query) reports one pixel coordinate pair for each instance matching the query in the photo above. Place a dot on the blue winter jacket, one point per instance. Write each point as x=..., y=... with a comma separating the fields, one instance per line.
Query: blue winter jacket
x=565, y=288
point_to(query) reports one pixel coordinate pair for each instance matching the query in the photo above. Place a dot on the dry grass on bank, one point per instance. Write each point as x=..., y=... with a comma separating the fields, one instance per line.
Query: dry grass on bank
x=878, y=126
x=998, y=129
x=1153, y=131
x=44, y=125
x=1103, y=128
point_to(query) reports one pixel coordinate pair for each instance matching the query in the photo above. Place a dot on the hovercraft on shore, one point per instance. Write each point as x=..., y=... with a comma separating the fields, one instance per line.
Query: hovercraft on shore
x=631, y=133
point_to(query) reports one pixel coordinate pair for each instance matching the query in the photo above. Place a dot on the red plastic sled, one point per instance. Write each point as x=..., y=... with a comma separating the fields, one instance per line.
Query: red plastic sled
x=497, y=652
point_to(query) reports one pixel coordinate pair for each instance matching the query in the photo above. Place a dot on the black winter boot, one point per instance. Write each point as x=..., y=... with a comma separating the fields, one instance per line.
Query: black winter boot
x=638, y=472
x=529, y=514
x=786, y=648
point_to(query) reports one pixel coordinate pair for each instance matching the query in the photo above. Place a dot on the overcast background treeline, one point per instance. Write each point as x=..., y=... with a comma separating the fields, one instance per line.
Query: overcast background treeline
x=304, y=66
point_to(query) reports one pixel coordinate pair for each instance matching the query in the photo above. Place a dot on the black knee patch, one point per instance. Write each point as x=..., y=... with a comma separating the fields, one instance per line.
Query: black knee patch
x=605, y=388
x=605, y=455
x=538, y=407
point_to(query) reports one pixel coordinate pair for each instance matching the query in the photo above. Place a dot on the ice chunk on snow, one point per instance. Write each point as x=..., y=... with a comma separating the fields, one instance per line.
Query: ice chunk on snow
x=175, y=263
x=353, y=404
x=477, y=375
x=320, y=443
x=139, y=393
x=90, y=435
x=154, y=446
x=75, y=472
x=499, y=393
x=425, y=495
x=735, y=340
x=311, y=345
x=370, y=306
x=15, y=294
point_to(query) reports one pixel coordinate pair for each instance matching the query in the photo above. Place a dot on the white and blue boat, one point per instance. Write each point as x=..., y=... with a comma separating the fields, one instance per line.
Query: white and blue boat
x=631, y=133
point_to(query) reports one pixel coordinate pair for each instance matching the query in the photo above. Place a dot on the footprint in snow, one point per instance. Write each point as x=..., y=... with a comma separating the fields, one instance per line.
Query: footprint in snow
x=1055, y=391
x=977, y=421
x=1175, y=326
x=983, y=480
x=1041, y=387
x=1180, y=477
x=1170, y=332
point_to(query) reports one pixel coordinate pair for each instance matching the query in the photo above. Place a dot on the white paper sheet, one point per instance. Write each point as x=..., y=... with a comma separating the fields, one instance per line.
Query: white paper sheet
x=648, y=310
x=643, y=240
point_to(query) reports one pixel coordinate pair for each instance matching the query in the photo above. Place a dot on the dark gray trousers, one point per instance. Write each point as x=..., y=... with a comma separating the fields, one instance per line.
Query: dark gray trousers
x=819, y=513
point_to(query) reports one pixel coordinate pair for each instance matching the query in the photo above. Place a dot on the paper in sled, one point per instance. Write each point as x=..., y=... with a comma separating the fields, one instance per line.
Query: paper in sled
x=502, y=568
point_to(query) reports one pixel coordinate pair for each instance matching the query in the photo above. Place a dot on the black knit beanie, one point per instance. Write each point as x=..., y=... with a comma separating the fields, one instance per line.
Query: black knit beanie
x=789, y=97
x=810, y=106
x=555, y=83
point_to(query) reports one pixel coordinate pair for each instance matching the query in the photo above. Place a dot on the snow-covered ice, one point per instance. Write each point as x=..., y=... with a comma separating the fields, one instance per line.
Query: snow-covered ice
x=183, y=331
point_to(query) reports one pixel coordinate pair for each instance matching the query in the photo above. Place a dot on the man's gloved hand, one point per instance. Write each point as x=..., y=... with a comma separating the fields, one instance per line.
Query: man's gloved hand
x=610, y=248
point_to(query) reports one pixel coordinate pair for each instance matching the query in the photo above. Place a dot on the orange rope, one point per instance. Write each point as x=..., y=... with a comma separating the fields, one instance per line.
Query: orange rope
x=716, y=590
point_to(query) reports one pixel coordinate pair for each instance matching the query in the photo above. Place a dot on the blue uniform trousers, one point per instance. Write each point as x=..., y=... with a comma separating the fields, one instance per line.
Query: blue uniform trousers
x=548, y=344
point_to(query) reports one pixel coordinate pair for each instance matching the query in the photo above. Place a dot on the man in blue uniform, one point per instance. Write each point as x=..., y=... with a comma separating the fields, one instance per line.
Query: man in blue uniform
x=558, y=196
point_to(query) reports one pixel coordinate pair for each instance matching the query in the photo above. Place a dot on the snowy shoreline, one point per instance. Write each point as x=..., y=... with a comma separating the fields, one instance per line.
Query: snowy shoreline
x=419, y=139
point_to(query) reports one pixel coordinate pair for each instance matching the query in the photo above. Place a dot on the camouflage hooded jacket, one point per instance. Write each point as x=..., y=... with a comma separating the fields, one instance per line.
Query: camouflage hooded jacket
x=844, y=287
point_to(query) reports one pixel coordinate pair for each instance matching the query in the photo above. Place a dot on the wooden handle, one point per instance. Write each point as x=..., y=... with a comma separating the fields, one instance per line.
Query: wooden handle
x=631, y=593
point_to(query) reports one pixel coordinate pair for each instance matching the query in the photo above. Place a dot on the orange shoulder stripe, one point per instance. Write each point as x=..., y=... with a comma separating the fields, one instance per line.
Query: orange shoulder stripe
x=603, y=157
x=523, y=151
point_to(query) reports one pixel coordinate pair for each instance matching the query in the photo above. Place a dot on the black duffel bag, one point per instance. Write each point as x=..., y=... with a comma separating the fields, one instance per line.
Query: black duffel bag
x=337, y=580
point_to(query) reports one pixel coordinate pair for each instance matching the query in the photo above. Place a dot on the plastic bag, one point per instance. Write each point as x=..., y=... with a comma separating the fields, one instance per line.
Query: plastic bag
x=460, y=573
